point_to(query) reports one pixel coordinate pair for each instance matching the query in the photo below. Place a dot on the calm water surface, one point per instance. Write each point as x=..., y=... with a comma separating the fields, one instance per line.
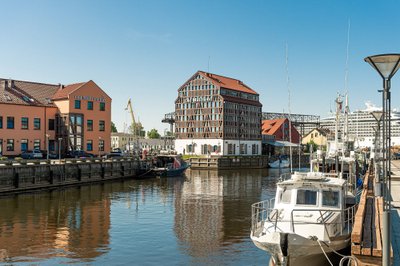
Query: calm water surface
x=200, y=219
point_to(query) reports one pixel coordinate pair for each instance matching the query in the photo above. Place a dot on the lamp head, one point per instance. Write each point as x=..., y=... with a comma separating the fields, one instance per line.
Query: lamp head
x=385, y=64
x=377, y=115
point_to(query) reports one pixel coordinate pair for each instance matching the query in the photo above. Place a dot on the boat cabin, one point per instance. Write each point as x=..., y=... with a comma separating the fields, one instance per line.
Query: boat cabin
x=311, y=190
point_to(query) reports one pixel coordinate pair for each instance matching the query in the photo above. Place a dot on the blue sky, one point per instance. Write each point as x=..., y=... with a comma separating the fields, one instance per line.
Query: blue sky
x=144, y=50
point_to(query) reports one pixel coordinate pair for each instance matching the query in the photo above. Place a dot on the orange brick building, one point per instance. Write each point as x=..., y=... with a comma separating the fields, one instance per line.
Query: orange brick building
x=45, y=116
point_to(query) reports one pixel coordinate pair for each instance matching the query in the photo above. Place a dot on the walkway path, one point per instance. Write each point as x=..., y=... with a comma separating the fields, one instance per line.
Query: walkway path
x=396, y=211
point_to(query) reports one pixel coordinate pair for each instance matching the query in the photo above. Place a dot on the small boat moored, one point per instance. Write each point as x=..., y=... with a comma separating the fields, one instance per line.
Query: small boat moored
x=169, y=165
x=281, y=162
x=307, y=218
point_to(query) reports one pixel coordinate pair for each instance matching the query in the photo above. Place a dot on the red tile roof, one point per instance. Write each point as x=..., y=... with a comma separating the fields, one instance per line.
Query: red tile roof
x=270, y=127
x=26, y=92
x=33, y=93
x=63, y=92
x=228, y=83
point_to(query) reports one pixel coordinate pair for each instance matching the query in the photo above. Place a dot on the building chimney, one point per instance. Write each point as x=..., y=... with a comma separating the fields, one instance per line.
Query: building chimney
x=60, y=86
x=10, y=84
x=3, y=85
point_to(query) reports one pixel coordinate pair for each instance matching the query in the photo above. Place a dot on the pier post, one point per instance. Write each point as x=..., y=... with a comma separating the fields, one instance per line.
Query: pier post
x=386, y=239
x=51, y=177
x=102, y=171
x=79, y=174
x=16, y=178
x=122, y=170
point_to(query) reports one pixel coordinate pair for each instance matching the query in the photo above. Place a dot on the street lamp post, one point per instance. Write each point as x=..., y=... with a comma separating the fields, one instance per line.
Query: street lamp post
x=386, y=65
x=378, y=117
x=59, y=150
x=99, y=147
x=47, y=146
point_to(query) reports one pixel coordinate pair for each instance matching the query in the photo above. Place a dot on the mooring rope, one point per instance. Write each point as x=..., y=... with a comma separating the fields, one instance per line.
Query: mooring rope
x=344, y=257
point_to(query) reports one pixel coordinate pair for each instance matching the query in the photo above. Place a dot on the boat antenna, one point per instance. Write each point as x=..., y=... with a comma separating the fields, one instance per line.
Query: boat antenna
x=347, y=110
x=347, y=58
x=289, y=114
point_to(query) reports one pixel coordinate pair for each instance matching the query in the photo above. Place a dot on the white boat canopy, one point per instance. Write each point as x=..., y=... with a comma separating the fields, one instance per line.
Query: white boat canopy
x=282, y=143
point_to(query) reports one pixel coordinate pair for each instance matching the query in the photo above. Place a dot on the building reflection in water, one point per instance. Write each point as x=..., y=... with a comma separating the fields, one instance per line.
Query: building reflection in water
x=214, y=210
x=71, y=223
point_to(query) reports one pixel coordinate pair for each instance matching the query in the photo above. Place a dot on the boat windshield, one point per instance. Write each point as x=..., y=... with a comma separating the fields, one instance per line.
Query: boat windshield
x=330, y=198
x=306, y=197
x=285, y=195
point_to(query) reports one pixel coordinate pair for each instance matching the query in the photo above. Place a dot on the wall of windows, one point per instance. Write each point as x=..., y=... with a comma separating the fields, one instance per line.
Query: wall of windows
x=10, y=144
x=24, y=145
x=10, y=122
x=36, y=123
x=75, y=131
x=24, y=123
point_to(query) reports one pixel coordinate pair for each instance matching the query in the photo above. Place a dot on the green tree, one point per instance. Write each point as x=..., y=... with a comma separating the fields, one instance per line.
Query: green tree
x=153, y=134
x=113, y=127
x=139, y=129
x=168, y=134
x=314, y=146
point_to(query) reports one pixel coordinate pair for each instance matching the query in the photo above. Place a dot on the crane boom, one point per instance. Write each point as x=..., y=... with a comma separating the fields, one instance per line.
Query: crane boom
x=134, y=127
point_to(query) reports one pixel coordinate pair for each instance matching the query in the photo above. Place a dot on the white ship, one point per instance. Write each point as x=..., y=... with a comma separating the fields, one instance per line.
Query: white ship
x=361, y=123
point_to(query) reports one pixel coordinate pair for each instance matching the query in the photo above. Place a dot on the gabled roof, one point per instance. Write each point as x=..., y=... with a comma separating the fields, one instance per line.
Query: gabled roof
x=34, y=93
x=26, y=92
x=228, y=83
x=63, y=92
x=322, y=130
x=270, y=127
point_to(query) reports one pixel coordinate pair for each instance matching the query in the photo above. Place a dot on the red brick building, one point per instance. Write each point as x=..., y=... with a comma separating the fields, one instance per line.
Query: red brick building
x=42, y=116
x=279, y=128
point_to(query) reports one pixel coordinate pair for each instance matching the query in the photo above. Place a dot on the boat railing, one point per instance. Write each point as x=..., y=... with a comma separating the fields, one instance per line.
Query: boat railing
x=285, y=176
x=260, y=212
x=326, y=217
x=263, y=212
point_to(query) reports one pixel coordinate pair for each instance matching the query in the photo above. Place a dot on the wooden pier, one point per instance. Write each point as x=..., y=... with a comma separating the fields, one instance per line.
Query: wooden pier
x=366, y=237
x=30, y=175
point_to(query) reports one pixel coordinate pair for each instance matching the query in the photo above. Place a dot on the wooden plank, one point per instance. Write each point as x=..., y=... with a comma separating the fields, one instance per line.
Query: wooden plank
x=373, y=228
x=377, y=251
x=365, y=182
x=367, y=232
x=356, y=234
x=355, y=249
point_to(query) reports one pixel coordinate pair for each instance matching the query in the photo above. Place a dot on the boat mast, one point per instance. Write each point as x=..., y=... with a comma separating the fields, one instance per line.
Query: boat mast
x=290, y=120
x=339, y=103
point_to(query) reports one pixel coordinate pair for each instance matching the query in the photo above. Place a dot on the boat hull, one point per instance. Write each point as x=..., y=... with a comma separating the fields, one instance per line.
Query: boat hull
x=292, y=249
x=174, y=172
x=279, y=164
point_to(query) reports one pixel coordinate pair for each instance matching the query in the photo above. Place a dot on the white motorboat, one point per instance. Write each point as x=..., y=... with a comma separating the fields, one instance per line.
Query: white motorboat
x=307, y=218
x=280, y=163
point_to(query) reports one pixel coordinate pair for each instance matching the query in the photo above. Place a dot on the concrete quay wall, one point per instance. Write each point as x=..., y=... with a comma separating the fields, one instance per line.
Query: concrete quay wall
x=31, y=175
x=236, y=162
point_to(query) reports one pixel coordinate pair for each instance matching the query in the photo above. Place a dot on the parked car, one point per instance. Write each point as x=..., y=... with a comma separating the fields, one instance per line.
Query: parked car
x=34, y=154
x=52, y=155
x=114, y=154
x=79, y=154
x=396, y=155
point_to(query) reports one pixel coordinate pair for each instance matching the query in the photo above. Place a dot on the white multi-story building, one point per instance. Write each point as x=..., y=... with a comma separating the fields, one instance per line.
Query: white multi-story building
x=128, y=142
x=360, y=126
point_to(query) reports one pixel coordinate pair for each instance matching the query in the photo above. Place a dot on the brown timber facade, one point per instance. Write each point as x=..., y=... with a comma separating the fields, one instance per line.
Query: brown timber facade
x=217, y=115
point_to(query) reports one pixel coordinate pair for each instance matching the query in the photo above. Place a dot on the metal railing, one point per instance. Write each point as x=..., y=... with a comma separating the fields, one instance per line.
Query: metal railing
x=263, y=212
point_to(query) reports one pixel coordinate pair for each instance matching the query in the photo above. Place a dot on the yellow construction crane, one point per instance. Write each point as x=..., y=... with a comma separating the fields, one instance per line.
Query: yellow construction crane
x=134, y=126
